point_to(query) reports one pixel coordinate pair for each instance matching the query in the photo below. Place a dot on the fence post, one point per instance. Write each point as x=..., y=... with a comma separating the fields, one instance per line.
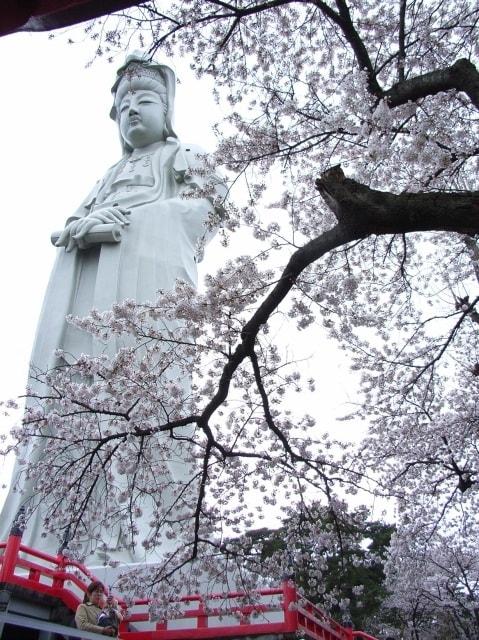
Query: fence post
x=59, y=575
x=202, y=617
x=289, y=605
x=12, y=547
x=61, y=561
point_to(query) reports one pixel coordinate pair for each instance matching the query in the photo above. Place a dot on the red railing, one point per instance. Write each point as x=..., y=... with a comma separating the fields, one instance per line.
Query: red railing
x=277, y=611
x=53, y=575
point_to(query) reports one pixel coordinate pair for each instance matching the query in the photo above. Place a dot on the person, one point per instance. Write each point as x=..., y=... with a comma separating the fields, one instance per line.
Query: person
x=110, y=615
x=92, y=614
x=135, y=234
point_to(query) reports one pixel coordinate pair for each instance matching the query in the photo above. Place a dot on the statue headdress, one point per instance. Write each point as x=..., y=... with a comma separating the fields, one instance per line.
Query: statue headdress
x=161, y=77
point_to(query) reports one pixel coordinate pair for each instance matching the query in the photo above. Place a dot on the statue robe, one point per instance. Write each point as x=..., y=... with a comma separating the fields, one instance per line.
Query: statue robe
x=157, y=248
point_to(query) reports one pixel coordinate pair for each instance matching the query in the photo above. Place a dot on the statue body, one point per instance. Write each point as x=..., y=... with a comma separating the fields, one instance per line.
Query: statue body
x=158, y=246
x=159, y=240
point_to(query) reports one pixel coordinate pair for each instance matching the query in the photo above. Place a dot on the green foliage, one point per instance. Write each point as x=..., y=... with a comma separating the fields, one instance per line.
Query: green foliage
x=341, y=569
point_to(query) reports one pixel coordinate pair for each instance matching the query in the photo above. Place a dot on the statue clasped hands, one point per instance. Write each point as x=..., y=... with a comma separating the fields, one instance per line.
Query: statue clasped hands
x=78, y=232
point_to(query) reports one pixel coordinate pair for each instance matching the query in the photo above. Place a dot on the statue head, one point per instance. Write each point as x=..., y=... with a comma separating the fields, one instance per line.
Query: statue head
x=143, y=103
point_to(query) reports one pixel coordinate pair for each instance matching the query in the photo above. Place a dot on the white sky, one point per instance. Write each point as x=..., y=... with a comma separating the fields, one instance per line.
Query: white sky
x=57, y=140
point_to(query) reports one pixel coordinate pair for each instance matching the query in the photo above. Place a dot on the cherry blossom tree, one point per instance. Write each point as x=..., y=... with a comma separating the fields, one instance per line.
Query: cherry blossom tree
x=334, y=555
x=433, y=582
x=354, y=127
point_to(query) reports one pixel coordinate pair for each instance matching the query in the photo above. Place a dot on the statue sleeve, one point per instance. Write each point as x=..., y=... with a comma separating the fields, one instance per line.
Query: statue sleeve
x=87, y=204
x=193, y=169
x=198, y=177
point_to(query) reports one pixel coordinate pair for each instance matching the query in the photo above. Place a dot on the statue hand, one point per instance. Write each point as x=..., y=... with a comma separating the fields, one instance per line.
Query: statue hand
x=66, y=238
x=112, y=215
x=75, y=232
x=116, y=215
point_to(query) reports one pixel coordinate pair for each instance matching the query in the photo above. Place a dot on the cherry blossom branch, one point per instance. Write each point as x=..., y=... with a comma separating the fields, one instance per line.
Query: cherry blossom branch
x=267, y=412
x=200, y=499
x=402, y=48
x=446, y=343
x=345, y=22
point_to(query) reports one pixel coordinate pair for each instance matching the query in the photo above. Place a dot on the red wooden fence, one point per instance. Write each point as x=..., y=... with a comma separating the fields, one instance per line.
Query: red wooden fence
x=277, y=611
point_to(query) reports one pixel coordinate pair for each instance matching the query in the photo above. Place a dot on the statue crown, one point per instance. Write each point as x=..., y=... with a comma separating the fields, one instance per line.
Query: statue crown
x=136, y=69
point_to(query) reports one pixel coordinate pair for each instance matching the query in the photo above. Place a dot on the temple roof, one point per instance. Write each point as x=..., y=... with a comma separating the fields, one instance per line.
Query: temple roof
x=45, y=15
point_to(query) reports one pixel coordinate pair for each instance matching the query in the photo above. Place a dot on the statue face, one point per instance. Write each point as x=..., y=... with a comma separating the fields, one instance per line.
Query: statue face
x=142, y=118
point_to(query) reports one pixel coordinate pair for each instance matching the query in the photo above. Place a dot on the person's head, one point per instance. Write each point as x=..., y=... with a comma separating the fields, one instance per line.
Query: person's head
x=143, y=102
x=94, y=593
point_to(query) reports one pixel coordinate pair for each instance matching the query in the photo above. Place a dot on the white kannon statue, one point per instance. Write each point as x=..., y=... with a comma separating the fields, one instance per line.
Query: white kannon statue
x=134, y=234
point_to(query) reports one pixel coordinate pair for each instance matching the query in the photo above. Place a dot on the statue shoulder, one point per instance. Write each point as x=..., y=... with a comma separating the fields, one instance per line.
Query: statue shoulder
x=193, y=153
x=191, y=169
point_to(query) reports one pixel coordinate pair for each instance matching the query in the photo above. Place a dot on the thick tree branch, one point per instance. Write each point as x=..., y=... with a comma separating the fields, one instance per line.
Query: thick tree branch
x=462, y=76
x=369, y=211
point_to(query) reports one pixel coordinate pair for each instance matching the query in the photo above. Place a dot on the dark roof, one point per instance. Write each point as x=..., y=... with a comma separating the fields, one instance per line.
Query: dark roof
x=45, y=15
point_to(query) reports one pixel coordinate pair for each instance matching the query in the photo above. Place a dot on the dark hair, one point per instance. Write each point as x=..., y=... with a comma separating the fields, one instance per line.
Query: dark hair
x=93, y=586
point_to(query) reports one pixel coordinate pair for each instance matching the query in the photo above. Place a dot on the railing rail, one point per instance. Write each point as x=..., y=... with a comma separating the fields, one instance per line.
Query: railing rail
x=273, y=611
